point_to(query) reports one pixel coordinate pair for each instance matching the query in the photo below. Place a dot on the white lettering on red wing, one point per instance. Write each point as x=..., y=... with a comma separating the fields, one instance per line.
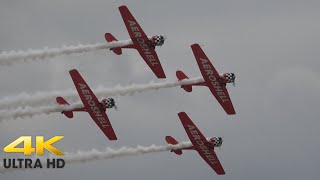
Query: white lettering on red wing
x=132, y=23
x=142, y=43
x=213, y=80
x=82, y=86
x=202, y=145
x=96, y=111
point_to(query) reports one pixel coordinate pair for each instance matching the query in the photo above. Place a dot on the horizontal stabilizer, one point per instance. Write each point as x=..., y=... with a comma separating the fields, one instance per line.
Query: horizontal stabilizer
x=171, y=140
x=181, y=76
x=62, y=101
x=109, y=37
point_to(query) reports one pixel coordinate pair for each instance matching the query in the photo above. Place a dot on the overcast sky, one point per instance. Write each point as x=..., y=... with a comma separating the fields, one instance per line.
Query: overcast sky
x=272, y=46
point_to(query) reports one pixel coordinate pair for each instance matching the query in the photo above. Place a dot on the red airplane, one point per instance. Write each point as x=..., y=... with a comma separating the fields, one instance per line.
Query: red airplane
x=204, y=146
x=91, y=104
x=212, y=79
x=141, y=42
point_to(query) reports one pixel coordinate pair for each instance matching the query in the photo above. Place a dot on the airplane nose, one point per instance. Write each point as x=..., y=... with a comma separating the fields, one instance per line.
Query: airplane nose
x=160, y=40
x=219, y=143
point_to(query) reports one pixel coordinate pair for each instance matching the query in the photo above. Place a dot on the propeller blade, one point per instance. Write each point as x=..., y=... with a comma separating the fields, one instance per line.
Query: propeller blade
x=165, y=37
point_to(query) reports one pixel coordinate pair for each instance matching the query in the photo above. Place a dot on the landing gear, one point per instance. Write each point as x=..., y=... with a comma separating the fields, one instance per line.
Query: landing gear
x=101, y=107
x=150, y=45
x=210, y=147
x=220, y=79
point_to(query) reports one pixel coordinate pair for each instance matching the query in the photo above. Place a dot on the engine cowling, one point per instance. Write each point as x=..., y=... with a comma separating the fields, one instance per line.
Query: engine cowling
x=110, y=103
x=157, y=40
x=227, y=78
x=216, y=141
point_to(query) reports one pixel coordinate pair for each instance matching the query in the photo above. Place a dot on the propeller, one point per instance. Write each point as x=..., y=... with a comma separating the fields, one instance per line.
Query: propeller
x=165, y=38
x=115, y=107
x=220, y=147
x=234, y=80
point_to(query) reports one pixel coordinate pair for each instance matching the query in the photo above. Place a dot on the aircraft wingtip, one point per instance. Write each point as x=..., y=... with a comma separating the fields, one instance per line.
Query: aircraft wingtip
x=162, y=77
x=195, y=44
x=123, y=7
x=72, y=71
x=231, y=112
x=160, y=74
x=113, y=138
x=180, y=114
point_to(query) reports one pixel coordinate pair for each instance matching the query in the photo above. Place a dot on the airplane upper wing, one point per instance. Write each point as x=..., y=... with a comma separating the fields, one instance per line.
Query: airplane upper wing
x=201, y=144
x=211, y=76
x=91, y=102
x=140, y=40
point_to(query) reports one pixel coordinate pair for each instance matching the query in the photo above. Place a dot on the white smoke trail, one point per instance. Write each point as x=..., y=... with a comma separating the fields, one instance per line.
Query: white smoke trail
x=122, y=152
x=12, y=57
x=109, y=153
x=48, y=98
x=35, y=99
x=29, y=112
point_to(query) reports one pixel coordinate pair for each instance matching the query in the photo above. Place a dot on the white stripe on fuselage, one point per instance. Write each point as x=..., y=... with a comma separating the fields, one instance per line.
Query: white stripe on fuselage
x=213, y=80
x=142, y=43
x=96, y=111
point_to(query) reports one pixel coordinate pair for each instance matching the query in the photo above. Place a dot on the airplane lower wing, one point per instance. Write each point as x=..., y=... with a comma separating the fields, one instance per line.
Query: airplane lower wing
x=91, y=103
x=211, y=77
x=201, y=144
x=140, y=40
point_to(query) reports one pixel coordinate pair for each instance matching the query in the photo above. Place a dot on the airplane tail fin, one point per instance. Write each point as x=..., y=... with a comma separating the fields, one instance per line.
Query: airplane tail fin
x=181, y=76
x=109, y=37
x=171, y=140
x=62, y=101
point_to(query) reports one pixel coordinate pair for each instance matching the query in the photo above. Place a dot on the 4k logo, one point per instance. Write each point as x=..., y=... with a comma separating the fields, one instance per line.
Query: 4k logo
x=27, y=148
